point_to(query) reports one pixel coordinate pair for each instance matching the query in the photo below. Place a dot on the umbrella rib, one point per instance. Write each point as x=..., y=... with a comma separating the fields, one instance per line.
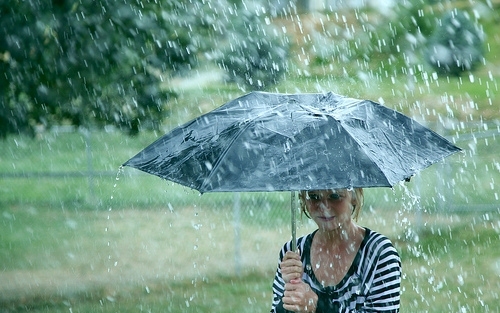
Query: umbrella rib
x=249, y=122
x=363, y=147
x=245, y=145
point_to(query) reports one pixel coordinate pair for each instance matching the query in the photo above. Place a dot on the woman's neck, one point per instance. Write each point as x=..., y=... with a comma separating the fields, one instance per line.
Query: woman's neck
x=341, y=237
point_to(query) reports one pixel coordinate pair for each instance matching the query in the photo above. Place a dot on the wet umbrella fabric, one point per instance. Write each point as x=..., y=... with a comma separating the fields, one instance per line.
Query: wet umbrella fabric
x=289, y=142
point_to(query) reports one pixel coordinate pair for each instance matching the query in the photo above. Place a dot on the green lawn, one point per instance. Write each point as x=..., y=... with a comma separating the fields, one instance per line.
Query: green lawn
x=54, y=231
x=154, y=260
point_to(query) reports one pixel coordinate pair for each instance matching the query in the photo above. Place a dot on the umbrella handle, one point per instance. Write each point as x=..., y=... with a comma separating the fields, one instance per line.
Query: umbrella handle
x=293, y=220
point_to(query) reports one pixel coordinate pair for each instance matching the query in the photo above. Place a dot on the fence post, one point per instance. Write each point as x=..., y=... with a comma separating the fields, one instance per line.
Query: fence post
x=90, y=168
x=293, y=221
x=418, y=206
x=237, y=226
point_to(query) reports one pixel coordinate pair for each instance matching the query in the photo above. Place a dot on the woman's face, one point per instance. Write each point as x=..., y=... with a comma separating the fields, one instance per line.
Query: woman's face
x=330, y=209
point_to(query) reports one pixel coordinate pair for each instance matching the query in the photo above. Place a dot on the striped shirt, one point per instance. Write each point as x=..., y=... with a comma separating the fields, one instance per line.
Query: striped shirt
x=372, y=283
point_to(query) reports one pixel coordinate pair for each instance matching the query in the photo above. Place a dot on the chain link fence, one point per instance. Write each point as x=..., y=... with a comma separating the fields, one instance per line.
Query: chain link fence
x=463, y=182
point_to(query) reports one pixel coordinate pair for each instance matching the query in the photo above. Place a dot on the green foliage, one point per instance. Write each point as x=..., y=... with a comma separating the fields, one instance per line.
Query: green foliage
x=369, y=35
x=92, y=62
x=456, y=46
x=406, y=31
x=254, y=56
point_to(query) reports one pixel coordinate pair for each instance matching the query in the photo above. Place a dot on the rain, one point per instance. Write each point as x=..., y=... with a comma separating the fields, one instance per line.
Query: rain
x=87, y=85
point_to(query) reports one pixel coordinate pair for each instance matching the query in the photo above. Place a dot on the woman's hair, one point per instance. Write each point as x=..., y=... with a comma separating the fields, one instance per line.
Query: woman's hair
x=360, y=198
x=357, y=196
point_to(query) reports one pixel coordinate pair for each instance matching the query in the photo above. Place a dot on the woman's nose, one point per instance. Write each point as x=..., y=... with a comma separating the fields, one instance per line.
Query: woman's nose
x=324, y=205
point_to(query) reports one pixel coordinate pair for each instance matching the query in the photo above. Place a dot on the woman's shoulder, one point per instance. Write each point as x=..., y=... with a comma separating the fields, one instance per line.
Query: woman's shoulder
x=301, y=242
x=374, y=236
x=375, y=242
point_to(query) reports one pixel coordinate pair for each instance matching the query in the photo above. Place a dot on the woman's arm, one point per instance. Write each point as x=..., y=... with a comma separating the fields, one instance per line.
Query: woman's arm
x=384, y=292
x=279, y=283
x=299, y=297
x=289, y=269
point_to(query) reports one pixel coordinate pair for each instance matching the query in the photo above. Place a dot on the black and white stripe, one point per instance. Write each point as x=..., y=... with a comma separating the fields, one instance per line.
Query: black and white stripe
x=372, y=284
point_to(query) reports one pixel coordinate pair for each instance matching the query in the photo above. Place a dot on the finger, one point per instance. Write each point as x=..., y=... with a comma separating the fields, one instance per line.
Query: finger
x=291, y=297
x=291, y=255
x=294, y=270
x=291, y=274
x=295, y=281
x=291, y=268
x=291, y=287
x=292, y=302
x=288, y=304
x=291, y=262
x=291, y=308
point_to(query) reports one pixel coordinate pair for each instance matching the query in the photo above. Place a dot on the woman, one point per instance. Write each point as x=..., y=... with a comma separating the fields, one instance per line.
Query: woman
x=340, y=267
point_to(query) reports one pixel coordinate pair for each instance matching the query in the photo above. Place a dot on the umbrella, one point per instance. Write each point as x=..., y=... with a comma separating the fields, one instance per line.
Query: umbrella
x=290, y=142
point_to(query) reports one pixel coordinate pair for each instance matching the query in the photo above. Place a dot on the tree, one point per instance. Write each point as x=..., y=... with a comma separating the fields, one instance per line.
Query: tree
x=91, y=62
x=254, y=55
x=456, y=45
x=398, y=30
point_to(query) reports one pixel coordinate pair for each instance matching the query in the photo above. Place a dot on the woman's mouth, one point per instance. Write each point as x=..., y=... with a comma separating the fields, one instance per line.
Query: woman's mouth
x=326, y=218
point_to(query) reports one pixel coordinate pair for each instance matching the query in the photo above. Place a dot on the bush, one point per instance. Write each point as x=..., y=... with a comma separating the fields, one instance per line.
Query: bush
x=456, y=45
x=254, y=56
x=393, y=34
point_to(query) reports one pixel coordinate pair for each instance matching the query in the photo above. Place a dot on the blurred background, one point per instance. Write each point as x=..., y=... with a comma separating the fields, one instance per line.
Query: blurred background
x=85, y=85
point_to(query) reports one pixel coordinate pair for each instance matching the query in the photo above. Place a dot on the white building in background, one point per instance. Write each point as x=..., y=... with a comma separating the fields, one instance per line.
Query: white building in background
x=320, y=5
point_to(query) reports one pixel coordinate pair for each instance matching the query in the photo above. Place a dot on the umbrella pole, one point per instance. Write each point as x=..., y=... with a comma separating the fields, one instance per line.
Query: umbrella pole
x=294, y=225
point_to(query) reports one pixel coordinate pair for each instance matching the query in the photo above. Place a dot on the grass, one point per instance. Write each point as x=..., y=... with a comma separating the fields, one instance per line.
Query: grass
x=221, y=294
x=123, y=241
x=462, y=268
x=183, y=261
x=455, y=180
x=167, y=241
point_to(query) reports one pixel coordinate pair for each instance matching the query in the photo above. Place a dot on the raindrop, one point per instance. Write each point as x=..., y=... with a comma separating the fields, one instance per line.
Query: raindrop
x=460, y=280
x=208, y=165
x=430, y=280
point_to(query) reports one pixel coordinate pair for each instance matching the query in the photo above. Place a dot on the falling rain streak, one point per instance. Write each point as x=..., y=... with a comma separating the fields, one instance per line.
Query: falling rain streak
x=85, y=87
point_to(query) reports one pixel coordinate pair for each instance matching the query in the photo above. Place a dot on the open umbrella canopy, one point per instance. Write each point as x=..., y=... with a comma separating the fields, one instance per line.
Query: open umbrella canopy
x=289, y=142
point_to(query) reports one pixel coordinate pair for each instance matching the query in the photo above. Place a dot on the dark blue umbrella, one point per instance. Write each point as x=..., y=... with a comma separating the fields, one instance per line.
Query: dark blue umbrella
x=286, y=142
x=290, y=142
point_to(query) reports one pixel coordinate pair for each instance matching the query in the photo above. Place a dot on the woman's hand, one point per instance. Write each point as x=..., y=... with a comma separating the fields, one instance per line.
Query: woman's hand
x=299, y=297
x=291, y=267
